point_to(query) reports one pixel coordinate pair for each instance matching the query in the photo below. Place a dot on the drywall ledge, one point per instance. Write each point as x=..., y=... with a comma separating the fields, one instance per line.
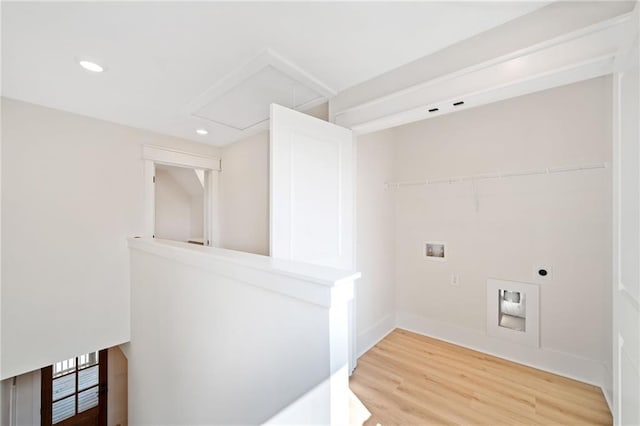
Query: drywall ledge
x=321, y=285
x=233, y=330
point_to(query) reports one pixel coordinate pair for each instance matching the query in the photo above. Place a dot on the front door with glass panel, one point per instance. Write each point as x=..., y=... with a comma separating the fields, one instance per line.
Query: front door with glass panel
x=74, y=391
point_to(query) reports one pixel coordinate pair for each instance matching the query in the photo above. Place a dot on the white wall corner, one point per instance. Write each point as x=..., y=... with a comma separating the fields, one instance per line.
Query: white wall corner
x=607, y=387
x=369, y=337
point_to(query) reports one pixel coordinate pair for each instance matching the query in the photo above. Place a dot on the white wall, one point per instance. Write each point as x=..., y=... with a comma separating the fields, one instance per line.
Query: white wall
x=5, y=390
x=560, y=220
x=72, y=193
x=196, y=209
x=117, y=381
x=244, y=195
x=4, y=385
x=375, y=250
x=221, y=337
x=179, y=204
x=173, y=208
x=244, y=192
x=27, y=399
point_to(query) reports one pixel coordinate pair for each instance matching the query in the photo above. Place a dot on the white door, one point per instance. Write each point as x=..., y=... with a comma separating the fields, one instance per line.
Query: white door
x=626, y=297
x=312, y=194
x=311, y=189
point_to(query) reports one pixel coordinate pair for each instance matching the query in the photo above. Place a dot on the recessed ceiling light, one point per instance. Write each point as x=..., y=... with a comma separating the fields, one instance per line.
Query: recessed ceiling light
x=202, y=131
x=90, y=66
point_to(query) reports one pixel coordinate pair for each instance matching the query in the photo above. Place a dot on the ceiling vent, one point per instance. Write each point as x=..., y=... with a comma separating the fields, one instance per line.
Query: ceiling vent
x=241, y=100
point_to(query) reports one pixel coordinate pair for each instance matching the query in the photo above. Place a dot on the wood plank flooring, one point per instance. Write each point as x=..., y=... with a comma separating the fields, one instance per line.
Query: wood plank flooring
x=409, y=379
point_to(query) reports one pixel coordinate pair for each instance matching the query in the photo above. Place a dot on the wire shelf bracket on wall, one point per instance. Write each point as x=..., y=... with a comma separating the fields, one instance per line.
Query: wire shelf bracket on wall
x=498, y=175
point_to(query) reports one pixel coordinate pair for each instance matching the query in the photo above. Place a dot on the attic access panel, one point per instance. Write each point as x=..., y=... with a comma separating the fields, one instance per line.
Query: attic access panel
x=242, y=99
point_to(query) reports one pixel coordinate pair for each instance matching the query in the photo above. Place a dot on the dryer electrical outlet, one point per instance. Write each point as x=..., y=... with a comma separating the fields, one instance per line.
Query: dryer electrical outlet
x=542, y=272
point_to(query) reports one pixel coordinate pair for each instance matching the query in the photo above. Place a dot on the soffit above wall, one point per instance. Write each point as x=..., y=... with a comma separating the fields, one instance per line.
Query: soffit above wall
x=549, y=22
x=577, y=54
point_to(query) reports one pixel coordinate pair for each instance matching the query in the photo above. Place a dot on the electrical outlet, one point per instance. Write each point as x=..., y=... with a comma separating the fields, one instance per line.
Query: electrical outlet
x=455, y=280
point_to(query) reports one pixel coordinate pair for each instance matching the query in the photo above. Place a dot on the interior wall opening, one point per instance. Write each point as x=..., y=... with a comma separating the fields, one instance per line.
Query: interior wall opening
x=179, y=204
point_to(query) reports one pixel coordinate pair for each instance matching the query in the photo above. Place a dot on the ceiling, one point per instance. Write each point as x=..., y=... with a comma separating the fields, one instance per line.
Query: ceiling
x=167, y=62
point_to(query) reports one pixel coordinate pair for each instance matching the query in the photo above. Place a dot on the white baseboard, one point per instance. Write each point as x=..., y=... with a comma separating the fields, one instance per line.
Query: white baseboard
x=372, y=335
x=608, y=390
x=561, y=363
x=608, y=396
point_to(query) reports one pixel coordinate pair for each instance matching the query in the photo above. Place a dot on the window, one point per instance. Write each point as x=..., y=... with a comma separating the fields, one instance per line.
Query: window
x=74, y=390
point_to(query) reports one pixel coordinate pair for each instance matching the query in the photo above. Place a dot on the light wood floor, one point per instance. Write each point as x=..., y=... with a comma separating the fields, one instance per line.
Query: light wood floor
x=408, y=379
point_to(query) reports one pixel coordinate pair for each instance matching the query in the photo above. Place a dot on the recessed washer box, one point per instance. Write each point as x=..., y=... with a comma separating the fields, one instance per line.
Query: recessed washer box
x=513, y=311
x=435, y=250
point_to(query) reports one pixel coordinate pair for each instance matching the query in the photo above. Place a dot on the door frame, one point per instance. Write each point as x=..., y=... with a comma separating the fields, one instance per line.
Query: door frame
x=153, y=155
x=625, y=305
